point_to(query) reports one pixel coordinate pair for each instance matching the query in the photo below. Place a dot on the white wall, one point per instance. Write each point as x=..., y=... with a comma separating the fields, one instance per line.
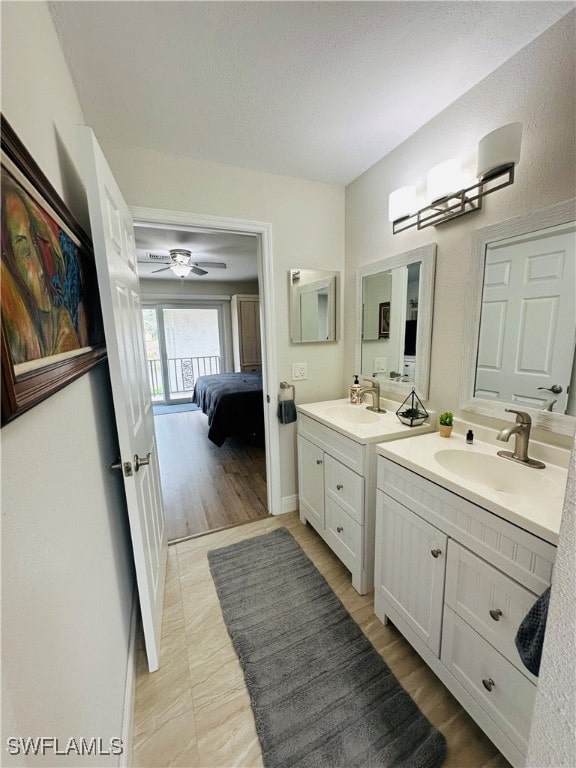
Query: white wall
x=66, y=559
x=307, y=221
x=536, y=87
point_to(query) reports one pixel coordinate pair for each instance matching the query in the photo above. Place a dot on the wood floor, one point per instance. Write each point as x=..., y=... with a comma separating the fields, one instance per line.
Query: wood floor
x=206, y=488
x=195, y=710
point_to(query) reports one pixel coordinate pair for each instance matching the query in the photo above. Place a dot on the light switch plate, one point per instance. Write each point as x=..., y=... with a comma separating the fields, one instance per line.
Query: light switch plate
x=299, y=371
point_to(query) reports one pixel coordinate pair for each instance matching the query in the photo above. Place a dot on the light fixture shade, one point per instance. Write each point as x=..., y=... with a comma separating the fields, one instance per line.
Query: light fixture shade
x=444, y=179
x=181, y=270
x=499, y=148
x=402, y=203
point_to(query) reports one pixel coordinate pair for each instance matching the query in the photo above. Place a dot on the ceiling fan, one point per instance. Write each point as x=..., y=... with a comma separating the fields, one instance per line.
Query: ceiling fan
x=182, y=264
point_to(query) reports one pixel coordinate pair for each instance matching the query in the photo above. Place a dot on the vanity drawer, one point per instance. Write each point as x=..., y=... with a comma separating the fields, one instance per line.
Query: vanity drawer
x=347, y=451
x=343, y=535
x=490, y=602
x=344, y=487
x=472, y=660
x=524, y=557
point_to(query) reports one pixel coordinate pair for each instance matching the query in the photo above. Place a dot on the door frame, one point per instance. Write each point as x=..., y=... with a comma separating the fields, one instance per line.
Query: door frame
x=263, y=231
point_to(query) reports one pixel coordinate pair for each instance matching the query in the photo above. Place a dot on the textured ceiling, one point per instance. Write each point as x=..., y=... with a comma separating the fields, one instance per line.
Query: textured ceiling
x=319, y=90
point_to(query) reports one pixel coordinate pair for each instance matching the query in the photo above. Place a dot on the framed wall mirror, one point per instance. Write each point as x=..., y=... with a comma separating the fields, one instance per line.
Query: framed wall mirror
x=394, y=300
x=520, y=337
x=313, y=307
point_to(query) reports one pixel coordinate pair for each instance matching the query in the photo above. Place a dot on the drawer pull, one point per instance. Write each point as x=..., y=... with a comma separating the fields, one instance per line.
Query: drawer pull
x=339, y=529
x=496, y=614
x=318, y=461
x=339, y=487
x=488, y=684
x=435, y=552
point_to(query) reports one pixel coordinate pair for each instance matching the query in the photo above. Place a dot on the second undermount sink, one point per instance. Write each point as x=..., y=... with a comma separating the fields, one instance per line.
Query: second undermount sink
x=495, y=472
x=351, y=414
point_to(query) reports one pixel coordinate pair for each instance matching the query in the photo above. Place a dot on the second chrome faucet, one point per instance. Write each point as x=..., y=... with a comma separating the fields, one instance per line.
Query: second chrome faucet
x=521, y=431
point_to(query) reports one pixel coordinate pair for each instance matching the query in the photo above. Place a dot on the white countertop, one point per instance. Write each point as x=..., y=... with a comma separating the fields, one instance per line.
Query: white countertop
x=537, y=510
x=386, y=427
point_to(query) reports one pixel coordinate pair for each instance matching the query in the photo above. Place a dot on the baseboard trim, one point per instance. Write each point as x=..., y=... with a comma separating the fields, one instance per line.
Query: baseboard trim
x=130, y=687
x=289, y=503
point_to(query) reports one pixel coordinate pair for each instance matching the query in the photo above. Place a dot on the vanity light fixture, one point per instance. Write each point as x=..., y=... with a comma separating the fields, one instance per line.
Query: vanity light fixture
x=498, y=154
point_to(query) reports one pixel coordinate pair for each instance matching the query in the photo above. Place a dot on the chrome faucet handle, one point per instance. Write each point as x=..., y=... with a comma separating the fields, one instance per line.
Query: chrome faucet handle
x=521, y=416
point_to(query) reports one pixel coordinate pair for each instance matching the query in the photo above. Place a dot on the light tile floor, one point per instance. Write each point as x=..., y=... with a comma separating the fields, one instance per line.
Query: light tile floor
x=195, y=710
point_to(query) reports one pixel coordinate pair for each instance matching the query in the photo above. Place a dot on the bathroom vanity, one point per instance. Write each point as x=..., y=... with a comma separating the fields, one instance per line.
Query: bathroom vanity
x=465, y=544
x=337, y=476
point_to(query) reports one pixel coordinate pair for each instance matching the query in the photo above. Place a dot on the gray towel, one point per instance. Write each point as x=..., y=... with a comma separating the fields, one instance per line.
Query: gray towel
x=286, y=411
x=530, y=635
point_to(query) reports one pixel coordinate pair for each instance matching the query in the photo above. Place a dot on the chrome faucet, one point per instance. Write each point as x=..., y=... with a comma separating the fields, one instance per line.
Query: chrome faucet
x=374, y=391
x=521, y=431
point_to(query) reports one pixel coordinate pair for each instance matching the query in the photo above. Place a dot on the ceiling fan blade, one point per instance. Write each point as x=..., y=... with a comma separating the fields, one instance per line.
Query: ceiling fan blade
x=160, y=270
x=211, y=264
x=198, y=271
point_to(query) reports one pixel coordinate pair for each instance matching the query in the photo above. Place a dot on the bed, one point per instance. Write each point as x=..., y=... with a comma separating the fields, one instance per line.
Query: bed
x=233, y=403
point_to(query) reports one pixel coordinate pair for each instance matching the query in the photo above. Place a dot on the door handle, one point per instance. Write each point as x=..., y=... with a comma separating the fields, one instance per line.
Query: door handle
x=141, y=462
x=556, y=389
x=125, y=467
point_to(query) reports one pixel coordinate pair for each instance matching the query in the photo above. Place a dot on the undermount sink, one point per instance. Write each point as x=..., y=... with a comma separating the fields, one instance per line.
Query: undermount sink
x=352, y=414
x=496, y=473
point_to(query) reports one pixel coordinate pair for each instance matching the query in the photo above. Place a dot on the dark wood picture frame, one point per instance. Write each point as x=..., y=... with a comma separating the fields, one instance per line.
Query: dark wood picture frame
x=384, y=320
x=21, y=390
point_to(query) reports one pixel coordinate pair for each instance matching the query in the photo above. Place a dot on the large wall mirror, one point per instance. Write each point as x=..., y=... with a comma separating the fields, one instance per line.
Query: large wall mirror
x=520, y=339
x=313, y=309
x=394, y=298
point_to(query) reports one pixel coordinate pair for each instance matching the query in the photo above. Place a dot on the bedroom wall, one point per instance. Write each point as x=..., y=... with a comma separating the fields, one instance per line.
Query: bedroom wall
x=307, y=221
x=66, y=557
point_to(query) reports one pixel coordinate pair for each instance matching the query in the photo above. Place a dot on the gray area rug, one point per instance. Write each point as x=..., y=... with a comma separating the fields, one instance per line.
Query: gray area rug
x=322, y=696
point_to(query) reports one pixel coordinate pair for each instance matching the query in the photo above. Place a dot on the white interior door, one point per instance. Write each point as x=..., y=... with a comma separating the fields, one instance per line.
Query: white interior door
x=528, y=318
x=113, y=237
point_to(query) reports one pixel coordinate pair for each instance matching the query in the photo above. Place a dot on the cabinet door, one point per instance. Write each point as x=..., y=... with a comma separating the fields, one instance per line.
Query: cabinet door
x=410, y=568
x=311, y=481
x=249, y=320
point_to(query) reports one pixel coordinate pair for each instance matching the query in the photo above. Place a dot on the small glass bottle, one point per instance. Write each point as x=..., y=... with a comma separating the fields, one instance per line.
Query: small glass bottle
x=469, y=437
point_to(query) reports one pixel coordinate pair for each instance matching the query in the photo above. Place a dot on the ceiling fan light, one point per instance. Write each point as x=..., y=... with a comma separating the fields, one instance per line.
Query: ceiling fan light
x=180, y=256
x=182, y=270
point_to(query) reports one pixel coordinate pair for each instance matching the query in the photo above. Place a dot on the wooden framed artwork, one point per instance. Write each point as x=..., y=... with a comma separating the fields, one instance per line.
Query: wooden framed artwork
x=52, y=330
x=384, y=320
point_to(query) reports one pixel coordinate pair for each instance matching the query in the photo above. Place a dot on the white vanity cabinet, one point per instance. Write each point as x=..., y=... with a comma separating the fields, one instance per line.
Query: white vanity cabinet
x=334, y=474
x=457, y=580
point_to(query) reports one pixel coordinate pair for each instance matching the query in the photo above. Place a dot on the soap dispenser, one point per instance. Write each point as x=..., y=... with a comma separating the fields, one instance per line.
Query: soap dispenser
x=354, y=389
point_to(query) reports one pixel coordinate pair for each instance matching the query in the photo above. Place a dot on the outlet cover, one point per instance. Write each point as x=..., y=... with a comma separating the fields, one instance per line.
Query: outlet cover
x=299, y=371
x=381, y=364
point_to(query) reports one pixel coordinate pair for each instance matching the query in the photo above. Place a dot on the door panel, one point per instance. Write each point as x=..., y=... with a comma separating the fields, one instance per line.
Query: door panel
x=118, y=282
x=528, y=300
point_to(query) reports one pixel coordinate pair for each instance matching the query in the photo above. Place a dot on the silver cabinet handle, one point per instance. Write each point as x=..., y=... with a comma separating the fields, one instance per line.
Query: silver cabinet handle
x=496, y=614
x=339, y=487
x=488, y=684
x=435, y=552
x=139, y=462
x=339, y=529
x=318, y=461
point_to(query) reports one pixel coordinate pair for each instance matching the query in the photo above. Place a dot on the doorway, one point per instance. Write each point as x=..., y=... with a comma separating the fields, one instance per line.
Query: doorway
x=270, y=383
